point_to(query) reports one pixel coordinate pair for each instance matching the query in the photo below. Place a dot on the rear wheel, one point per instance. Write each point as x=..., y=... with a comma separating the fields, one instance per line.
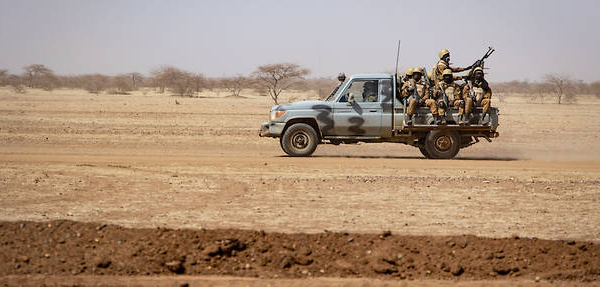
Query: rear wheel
x=424, y=152
x=442, y=144
x=299, y=140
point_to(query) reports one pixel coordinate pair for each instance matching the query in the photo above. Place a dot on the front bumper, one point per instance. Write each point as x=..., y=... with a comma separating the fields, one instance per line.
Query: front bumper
x=271, y=129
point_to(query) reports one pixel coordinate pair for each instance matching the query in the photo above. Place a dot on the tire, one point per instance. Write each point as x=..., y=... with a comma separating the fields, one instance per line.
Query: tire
x=299, y=140
x=442, y=144
x=424, y=152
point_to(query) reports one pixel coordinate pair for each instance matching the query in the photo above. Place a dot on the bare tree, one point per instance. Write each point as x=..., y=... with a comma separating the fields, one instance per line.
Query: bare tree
x=562, y=87
x=39, y=76
x=235, y=85
x=95, y=83
x=137, y=80
x=178, y=81
x=198, y=82
x=121, y=85
x=274, y=79
x=3, y=78
x=595, y=88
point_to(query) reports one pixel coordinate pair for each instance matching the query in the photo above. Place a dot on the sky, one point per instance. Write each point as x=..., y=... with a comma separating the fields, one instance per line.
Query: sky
x=229, y=37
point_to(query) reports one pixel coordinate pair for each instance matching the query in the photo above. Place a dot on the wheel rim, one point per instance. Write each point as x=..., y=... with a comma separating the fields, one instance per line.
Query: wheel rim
x=300, y=140
x=443, y=143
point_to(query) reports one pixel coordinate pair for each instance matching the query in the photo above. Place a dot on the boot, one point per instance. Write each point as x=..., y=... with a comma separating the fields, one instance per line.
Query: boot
x=408, y=120
x=461, y=119
x=437, y=120
x=443, y=121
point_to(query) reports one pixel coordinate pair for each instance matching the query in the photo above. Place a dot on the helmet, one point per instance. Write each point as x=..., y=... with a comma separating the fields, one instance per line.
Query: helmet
x=447, y=72
x=478, y=69
x=418, y=70
x=409, y=71
x=443, y=53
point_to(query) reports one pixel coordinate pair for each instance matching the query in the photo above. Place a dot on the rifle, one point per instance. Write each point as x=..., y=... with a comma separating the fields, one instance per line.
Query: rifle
x=428, y=81
x=415, y=95
x=444, y=97
x=480, y=62
x=472, y=93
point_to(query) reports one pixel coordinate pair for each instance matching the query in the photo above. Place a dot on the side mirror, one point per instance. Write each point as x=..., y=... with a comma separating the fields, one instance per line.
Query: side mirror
x=351, y=98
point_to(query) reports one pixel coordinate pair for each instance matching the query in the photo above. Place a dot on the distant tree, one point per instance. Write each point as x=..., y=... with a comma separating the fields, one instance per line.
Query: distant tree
x=3, y=78
x=562, y=87
x=199, y=82
x=39, y=76
x=121, y=85
x=16, y=83
x=137, y=80
x=274, y=79
x=595, y=88
x=235, y=85
x=160, y=77
x=178, y=81
x=94, y=83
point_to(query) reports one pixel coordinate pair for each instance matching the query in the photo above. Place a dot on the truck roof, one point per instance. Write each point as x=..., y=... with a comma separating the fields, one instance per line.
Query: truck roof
x=370, y=76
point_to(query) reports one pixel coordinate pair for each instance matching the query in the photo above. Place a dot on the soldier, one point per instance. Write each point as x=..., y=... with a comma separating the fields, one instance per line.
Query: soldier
x=443, y=64
x=478, y=90
x=401, y=81
x=409, y=74
x=415, y=93
x=447, y=92
x=370, y=92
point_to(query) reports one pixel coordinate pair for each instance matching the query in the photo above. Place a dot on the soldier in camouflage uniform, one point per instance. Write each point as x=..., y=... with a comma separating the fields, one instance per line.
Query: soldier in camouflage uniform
x=446, y=92
x=481, y=94
x=415, y=85
x=443, y=64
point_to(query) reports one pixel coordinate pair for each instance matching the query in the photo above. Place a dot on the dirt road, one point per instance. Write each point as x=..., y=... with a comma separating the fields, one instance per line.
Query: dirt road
x=144, y=161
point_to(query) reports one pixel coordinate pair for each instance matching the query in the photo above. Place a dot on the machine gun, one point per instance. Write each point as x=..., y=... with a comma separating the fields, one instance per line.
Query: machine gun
x=479, y=63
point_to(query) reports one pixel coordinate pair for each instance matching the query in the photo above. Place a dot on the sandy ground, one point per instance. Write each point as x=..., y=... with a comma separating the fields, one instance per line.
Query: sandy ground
x=142, y=160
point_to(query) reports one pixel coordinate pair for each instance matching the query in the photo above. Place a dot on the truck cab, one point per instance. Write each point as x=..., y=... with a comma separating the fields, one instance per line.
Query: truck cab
x=368, y=108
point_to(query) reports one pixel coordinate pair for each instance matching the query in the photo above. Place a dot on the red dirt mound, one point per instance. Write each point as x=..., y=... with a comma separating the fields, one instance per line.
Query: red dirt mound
x=67, y=247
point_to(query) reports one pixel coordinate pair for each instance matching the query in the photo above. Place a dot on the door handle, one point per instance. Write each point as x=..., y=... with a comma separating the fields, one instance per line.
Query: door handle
x=372, y=111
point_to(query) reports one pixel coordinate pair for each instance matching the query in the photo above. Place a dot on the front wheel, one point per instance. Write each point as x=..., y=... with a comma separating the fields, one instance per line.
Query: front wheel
x=299, y=140
x=442, y=144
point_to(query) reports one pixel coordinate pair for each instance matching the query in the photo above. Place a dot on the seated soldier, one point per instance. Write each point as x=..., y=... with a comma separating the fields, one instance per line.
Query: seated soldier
x=415, y=92
x=370, y=91
x=447, y=92
x=480, y=94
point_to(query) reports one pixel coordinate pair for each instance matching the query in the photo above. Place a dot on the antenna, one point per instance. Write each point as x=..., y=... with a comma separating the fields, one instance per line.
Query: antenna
x=397, y=56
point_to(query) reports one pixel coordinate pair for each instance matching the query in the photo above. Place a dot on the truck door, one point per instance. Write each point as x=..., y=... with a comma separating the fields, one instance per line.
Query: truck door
x=362, y=115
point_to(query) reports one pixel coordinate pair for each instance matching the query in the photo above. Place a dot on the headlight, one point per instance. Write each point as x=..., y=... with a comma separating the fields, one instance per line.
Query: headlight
x=276, y=115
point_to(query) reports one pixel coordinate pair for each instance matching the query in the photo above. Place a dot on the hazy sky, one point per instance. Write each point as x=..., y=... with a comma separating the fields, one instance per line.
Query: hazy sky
x=223, y=38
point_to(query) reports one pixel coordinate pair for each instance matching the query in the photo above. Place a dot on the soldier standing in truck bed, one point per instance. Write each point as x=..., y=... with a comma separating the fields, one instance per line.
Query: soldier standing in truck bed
x=417, y=86
x=443, y=64
x=482, y=93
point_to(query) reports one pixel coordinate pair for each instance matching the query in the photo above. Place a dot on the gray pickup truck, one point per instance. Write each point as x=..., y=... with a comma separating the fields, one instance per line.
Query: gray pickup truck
x=350, y=115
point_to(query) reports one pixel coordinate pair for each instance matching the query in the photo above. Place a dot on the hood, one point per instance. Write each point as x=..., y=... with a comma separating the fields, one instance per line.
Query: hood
x=300, y=105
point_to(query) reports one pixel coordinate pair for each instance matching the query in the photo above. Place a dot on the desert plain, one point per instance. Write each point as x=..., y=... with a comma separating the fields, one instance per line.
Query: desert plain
x=88, y=179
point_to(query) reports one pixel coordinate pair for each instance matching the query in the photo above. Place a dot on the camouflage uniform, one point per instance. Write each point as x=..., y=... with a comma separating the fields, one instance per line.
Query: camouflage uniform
x=441, y=65
x=453, y=92
x=422, y=90
x=438, y=69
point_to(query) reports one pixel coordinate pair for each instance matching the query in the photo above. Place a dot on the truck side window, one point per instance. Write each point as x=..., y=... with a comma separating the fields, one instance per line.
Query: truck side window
x=385, y=90
x=363, y=91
